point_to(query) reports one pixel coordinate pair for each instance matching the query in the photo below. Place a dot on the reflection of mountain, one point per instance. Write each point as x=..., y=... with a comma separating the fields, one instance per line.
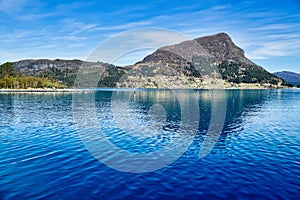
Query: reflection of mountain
x=33, y=110
x=6, y=108
x=167, y=117
x=239, y=103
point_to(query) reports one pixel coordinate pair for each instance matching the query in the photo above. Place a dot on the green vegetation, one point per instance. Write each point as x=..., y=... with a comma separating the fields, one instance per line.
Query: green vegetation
x=66, y=76
x=289, y=85
x=7, y=70
x=11, y=79
x=203, y=64
x=240, y=73
x=113, y=76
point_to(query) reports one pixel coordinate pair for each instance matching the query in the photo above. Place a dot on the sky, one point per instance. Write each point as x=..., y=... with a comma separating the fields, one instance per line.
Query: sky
x=268, y=31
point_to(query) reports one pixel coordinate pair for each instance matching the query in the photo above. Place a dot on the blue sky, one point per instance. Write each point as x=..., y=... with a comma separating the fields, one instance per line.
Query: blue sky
x=268, y=31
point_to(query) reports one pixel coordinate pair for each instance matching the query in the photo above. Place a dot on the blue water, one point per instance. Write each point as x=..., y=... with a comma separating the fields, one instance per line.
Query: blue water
x=257, y=155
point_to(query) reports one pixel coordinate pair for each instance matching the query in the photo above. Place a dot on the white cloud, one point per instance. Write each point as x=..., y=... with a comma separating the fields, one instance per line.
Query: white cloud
x=220, y=7
x=134, y=41
x=273, y=27
x=273, y=49
x=285, y=36
x=73, y=27
x=130, y=25
x=9, y=6
x=67, y=7
x=27, y=17
x=68, y=38
x=125, y=11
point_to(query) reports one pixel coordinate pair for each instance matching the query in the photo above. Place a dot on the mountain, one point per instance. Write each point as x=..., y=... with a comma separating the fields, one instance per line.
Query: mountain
x=210, y=61
x=290, y=77
x=203, y=61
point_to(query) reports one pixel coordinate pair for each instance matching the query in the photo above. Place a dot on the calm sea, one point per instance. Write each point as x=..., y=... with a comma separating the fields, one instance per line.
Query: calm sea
x=147, y=144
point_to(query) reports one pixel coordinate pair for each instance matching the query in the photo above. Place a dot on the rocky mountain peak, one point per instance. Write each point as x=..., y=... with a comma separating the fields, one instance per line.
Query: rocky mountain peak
x=221, y=47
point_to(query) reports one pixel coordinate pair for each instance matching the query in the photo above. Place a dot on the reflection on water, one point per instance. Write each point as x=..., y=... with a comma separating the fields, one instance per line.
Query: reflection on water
x=144, y=112
x=157, y=110
x=42, y=155
x=239, y=103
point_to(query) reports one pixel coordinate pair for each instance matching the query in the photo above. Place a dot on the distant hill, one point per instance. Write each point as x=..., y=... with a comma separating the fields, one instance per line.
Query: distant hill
x=197, y=63
x=290, y=77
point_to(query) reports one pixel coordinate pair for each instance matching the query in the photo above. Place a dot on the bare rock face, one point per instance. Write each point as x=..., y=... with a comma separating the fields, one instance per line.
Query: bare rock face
x=64, y=71
x=31, y=67
x=221, y=47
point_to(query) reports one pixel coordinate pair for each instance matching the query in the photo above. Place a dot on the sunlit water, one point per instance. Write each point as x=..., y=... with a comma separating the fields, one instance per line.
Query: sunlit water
x=257, y=154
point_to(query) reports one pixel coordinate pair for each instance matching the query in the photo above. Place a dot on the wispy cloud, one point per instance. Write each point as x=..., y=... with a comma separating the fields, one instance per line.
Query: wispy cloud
x=75, y=27
x=9, y=6
x=130, y=25
x=275, y=49
x=129, y=10
x=67, y=7
x=273, y=27
x=135, y=40
x=221, y=7
x=28, y=17
x=51, y=29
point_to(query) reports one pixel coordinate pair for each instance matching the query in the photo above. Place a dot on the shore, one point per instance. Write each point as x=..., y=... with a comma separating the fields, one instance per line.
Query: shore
x=40, y=90
x=70, y=90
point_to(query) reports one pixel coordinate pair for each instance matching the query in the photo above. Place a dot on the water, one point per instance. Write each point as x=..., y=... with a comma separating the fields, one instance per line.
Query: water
x=256, y=156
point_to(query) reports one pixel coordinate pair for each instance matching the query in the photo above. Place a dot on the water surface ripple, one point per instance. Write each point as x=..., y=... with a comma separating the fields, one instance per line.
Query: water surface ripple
x=256, y=156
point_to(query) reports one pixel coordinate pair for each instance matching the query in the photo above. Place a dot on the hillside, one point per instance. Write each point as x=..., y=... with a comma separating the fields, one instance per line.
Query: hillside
x=13, y=79
x=66, y=71
x=290, y=77
x=210, y=61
